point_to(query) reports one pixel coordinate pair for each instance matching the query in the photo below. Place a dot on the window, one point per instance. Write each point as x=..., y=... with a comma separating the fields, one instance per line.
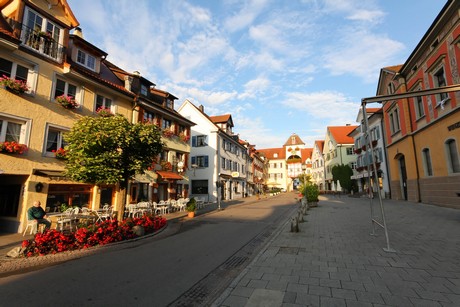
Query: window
x=86, y=60
x=427, y=162
x=144, y=90
x=199, y=186
x=13, y=130
x=375, y=134
x=65, y=88
x=223, y=163
x=103, y=102
x=42, y=35
x=419, y=109
x=394, y=121
x=349, y=151
x=353, y=165
x=452, y=156
x=199, y=141
x=201, y=161
x=391, y=88
x=166, y=123
x=439, y=79
x=16, y=71
x=149, y=117
x=54, y=140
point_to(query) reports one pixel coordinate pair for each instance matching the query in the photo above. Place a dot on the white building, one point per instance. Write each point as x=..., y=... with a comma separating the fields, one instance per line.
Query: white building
x=363, y=152
x=218, y=161
x=317, y=169
x=338, y=150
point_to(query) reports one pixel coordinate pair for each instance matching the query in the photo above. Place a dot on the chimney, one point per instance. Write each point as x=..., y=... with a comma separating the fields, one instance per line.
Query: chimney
x=201, y=107
x=78, y=32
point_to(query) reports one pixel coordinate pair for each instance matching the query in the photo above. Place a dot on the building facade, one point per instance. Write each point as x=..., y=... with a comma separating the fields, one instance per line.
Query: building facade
x=338, y=150
x=422, y=131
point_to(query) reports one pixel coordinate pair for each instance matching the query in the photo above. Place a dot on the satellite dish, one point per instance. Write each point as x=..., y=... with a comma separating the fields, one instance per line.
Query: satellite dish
x=194, y=166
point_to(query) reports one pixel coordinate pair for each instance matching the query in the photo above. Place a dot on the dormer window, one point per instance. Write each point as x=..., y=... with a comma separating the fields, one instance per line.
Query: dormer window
x=86, y=60
x=144, y=90
x=41, y=34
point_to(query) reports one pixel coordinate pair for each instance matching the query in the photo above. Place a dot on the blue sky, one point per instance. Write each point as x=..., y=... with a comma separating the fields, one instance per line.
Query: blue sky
x=277, y=66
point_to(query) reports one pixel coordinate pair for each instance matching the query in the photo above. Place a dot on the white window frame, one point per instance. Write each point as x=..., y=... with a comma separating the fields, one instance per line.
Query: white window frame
x=394, y=120
x=78, y=91
x=86, y=59
x=59, y=142
x=25, y=127
x=440, y=73
x=31, y=74
x=419, y=107
x=104, y=103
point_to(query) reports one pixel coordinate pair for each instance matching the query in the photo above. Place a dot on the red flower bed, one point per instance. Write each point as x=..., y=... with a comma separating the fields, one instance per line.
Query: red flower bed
x=53, y=241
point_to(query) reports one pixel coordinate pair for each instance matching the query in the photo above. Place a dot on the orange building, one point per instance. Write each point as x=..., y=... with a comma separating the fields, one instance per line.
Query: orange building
x=423, y=132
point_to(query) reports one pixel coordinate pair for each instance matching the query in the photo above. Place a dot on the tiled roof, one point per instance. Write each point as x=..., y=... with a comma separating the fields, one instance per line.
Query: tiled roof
x=297, y=140
x=220, y=118
x=373, y=110
x=394, y=68
x=340, y=134
x=102, y=78
x=306, y=153
x=320, y=144
x=269, y=153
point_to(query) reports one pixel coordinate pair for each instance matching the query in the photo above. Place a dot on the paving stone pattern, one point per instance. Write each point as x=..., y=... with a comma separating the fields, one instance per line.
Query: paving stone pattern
x=334, y=261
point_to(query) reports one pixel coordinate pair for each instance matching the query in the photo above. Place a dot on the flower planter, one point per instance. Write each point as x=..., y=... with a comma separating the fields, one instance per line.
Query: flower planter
x=67, y=102
x=13, y=85
x=191, y=214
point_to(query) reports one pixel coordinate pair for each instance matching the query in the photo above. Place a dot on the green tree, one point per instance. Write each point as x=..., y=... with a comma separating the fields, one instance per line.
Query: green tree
x=110, y=150
x=342, y=173
x=304, y=178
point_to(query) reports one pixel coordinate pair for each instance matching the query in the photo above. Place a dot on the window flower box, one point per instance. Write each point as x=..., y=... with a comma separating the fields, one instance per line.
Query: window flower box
x=104, y=112
x=67, y=102
x=60, y=153
x=13, y=148
x=184, y=138
x=166, y=165
x=358, y=151
x=168, y=133
x=13, y=85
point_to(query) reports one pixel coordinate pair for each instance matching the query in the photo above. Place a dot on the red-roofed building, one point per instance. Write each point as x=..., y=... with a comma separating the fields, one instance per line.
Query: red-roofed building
x=287, y=163
x=338, y=150
x=317, y=168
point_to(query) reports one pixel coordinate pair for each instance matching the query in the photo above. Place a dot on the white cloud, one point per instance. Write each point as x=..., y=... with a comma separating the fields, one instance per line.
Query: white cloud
x=245, y=16
x=254, y=87
x=324, y=106
x=362, y=54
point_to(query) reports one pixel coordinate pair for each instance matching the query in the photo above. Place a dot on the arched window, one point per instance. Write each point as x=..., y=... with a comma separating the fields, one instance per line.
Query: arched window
x=453, y=163
x=427, y=162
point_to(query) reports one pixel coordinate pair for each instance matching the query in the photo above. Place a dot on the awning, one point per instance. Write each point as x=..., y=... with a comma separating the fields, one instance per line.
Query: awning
x=48, y=173
x=169, y=175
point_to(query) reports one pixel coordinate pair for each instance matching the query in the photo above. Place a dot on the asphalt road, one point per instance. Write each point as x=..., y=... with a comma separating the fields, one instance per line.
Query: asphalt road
x=188, y=268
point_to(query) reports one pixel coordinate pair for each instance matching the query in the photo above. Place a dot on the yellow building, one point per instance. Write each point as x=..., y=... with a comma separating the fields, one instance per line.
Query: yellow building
x=422, y=132
x=39, y=50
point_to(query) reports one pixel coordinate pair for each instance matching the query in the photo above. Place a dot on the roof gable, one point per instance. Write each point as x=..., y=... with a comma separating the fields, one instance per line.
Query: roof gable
x=340, y=134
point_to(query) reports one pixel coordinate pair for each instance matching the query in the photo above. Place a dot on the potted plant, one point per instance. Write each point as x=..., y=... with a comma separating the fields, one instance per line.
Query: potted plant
x=67, y=102
x=191, y=207
x=13, y=148
x=104, y=112
x=13, y=85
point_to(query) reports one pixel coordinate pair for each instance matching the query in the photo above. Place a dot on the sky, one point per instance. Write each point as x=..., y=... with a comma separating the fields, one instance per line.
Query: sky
x=277, y=66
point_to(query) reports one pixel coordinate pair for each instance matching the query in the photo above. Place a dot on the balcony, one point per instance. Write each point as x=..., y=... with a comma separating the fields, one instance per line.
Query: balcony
x=42, y=43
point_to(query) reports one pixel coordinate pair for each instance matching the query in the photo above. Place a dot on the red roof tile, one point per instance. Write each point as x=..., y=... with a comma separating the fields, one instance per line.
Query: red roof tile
x=269, y=153
x=340, y=134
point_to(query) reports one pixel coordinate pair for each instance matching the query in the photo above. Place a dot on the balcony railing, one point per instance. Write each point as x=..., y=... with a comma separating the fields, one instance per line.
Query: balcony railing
x=42, y=43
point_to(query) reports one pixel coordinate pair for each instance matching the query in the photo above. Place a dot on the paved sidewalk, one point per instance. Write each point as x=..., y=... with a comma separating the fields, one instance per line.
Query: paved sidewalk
x=334, y=261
